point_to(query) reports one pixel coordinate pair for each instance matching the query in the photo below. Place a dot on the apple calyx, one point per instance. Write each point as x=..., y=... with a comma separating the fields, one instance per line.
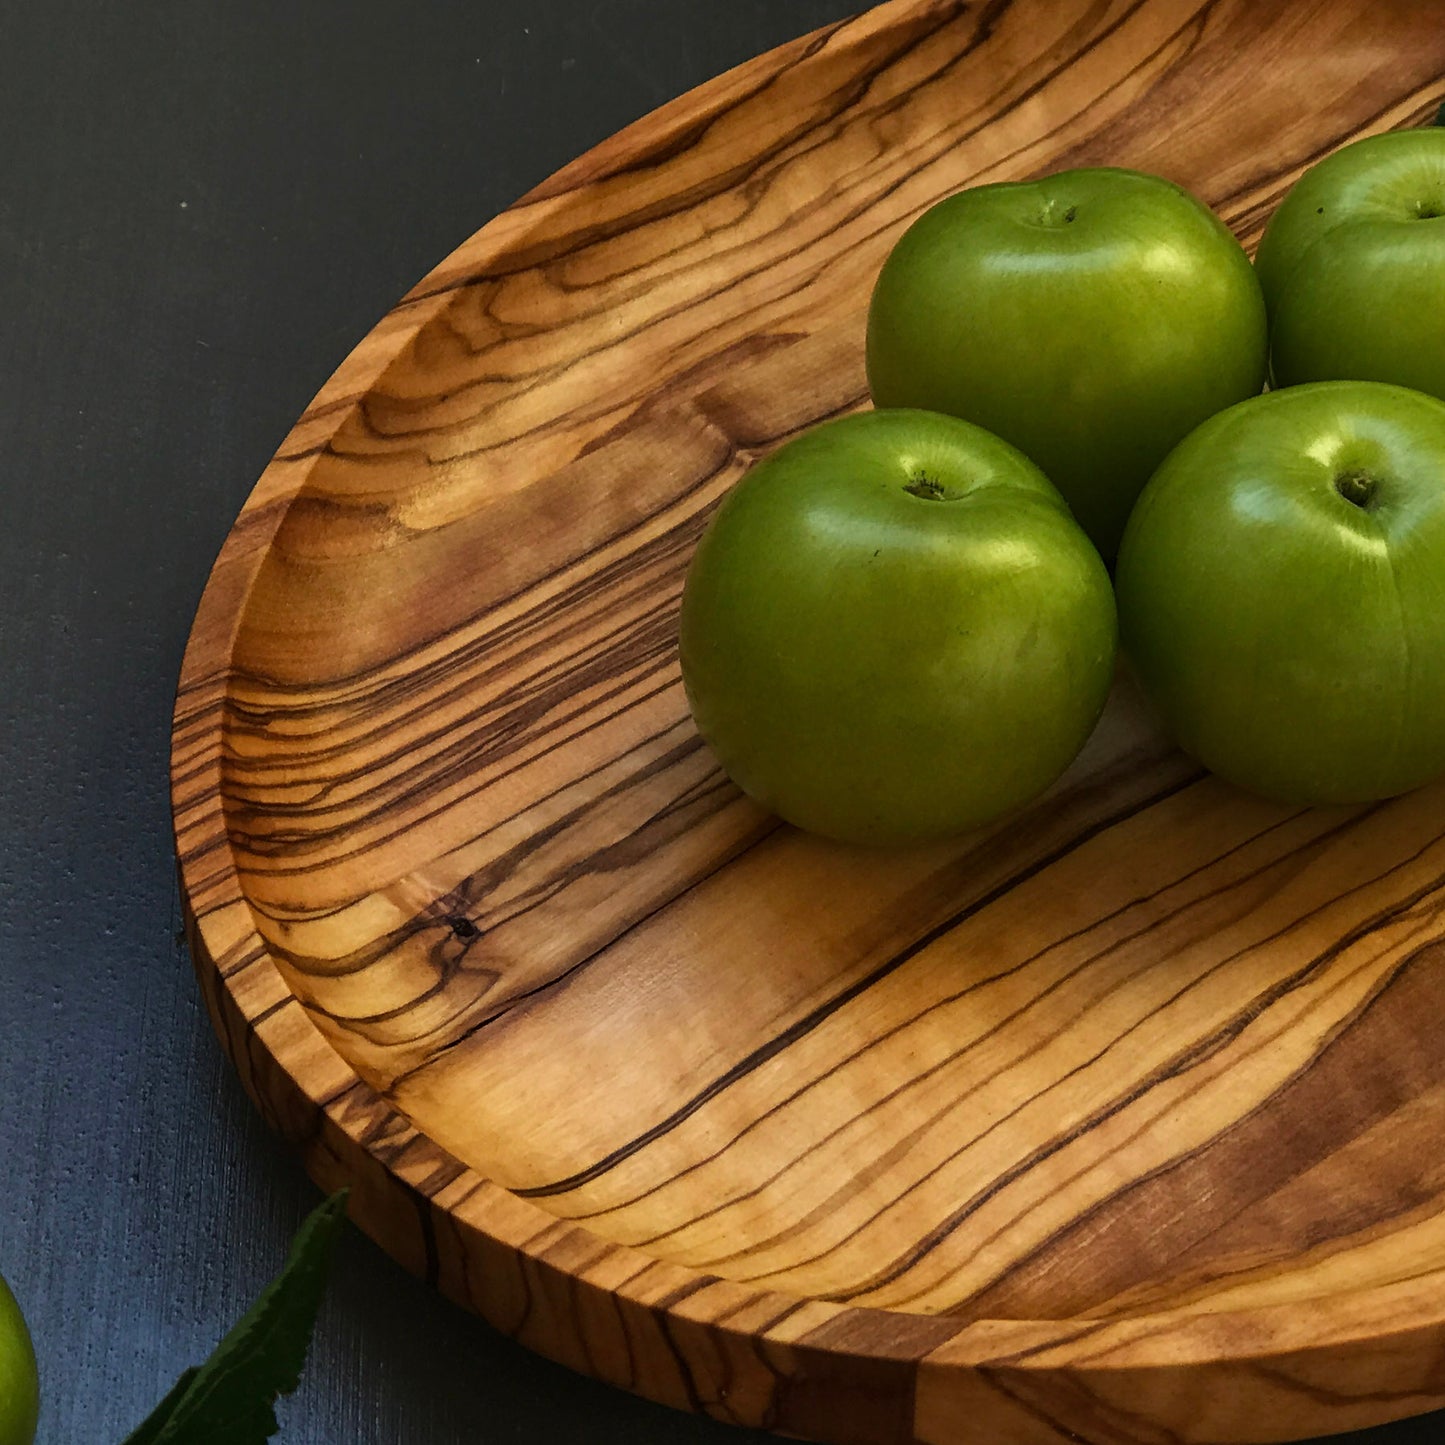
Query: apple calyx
x=930, y=490
x=1357, y=488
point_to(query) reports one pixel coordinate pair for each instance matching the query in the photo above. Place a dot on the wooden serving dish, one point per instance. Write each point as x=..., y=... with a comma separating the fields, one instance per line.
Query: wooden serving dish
x=1120, y=1122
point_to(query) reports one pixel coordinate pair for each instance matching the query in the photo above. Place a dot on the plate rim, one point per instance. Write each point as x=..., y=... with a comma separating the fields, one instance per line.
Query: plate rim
x=226, y=946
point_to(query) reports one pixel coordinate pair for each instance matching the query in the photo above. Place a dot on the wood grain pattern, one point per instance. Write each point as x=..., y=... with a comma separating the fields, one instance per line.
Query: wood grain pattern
x=1116, y=1123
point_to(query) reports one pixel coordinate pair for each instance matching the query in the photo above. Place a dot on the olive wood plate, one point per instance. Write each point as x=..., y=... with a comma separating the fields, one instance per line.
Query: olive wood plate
x=1117, y=1122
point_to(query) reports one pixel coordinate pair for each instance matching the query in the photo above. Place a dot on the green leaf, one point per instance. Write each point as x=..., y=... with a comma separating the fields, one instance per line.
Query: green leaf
x=230, y=1400
x=148, y=1432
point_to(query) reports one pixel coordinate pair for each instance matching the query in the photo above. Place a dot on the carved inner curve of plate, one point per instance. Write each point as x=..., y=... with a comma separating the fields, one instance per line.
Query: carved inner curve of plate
x=1152, y=1042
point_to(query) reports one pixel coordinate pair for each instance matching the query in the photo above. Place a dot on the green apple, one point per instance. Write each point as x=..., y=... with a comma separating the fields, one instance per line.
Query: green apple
x=1353, y=266
x=1093, y=319
x=1281, y=592
x=893, y=629
x=19, y=1384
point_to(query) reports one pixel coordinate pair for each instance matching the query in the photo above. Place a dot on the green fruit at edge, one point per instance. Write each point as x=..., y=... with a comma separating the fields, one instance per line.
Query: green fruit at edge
x=1281, y=592
x=1093, y=319
x=1353, y=266
x=19, y=1383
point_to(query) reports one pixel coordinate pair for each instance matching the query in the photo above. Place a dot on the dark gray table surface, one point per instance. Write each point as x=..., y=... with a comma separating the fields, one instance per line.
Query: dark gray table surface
x=202, y=208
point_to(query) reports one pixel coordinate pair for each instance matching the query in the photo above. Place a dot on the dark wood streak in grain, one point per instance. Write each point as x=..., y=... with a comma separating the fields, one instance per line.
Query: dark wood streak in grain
x=470, y=891
x=524, y=258
x=550, y=985
x=1120, y=21
x=271, y=1011
x=882, y=1039
x=1196, y=1052
x=619, y=657
x=898, y=1145
x=722, y=795
x=1334, y=1397
x=1249, y=224
x=539, y=623
x=463, y=757
x=1195, y=23
x=742, y=277
x=239, y=961
x=426, y=1230
x=824, y=1011
x=1080, y=1405
x=870, y=1401
x=385, y=697
x=1349, y=1082
x=393, y=679
x=746, y=275
x=349, y=1089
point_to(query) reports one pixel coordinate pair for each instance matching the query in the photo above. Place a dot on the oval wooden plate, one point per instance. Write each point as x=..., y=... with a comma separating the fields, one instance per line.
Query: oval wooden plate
x=1118, y=1123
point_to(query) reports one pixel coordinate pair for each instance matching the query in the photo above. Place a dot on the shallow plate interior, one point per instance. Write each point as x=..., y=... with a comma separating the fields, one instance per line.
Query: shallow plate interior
x=1134, y=1049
